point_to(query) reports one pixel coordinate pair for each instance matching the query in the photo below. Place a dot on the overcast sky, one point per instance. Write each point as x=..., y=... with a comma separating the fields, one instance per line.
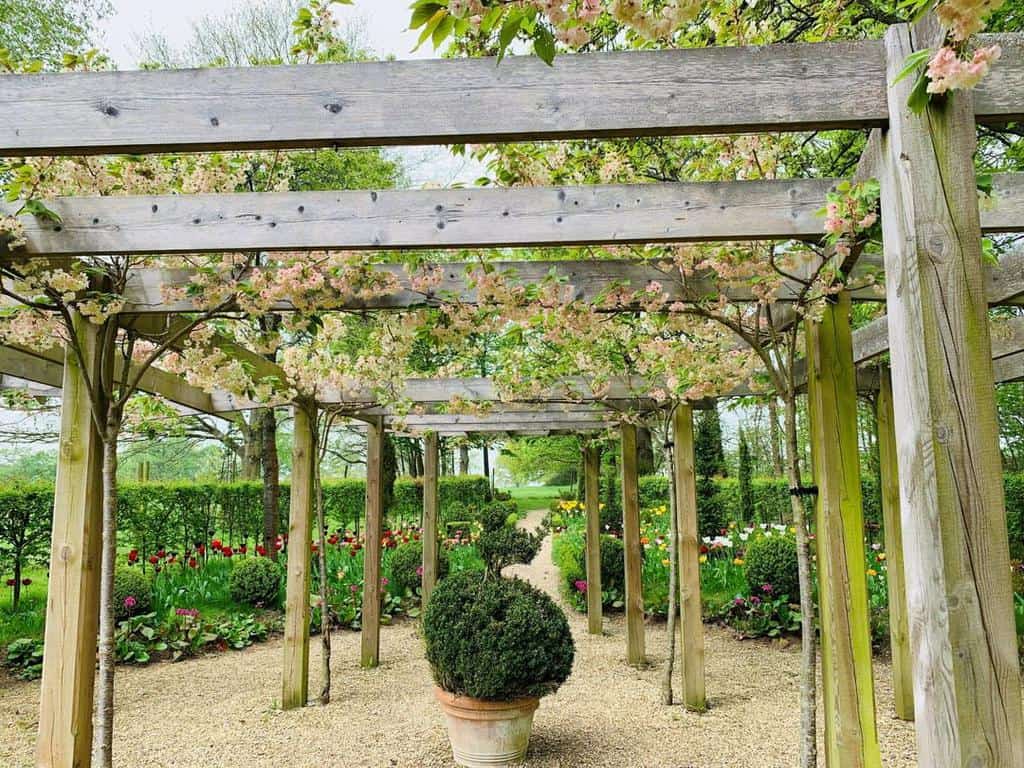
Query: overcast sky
x=384, y=23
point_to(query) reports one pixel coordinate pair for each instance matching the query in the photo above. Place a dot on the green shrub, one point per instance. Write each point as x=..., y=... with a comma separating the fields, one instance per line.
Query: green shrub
x=711, y=516
x=501, y=543
x=133, y=593
x=496, y=639
x=25, y=658
x=405, y=565
x=256, y=581
x=613, y=564
x=611, y=520
x=772, y=560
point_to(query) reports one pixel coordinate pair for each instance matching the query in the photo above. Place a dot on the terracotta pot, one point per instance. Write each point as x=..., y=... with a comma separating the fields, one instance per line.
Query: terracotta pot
x=487, y=733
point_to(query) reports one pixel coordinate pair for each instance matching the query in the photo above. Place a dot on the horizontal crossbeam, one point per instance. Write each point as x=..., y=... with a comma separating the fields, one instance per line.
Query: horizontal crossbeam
x=454, y=218
x=713, y=90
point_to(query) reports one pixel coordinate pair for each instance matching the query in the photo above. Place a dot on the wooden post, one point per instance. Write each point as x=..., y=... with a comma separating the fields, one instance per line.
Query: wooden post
x=899, y=633
x=688, y=547
x=633, y=549
x=967, y=701
x=851, y=737
x=295, y=676
x=592, y=502
x=370, y=651
x=72, y=603
x=430, y=499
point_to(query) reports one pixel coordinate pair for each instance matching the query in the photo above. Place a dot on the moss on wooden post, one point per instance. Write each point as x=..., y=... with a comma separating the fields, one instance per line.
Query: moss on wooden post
x=370, y=640
x=592, y=502
x=851, y=738
x=430, y=511
x=72, y=601
x=899, y=632
x=632, y=549
x=688, y=547
x=295, y=676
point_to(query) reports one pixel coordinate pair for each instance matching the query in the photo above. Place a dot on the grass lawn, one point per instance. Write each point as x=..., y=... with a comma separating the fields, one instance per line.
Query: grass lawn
x=27, y=621
x=529, y=497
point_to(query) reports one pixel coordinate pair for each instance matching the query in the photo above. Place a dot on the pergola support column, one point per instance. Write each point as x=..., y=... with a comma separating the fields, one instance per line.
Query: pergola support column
x=899, y=633
x=966, y=678
x=633, y=549
x=688, y=548
x=295, y=675
x=370, y=640
x=430, y=510
x=72, y=602
x=851, y=737
x=592, y=502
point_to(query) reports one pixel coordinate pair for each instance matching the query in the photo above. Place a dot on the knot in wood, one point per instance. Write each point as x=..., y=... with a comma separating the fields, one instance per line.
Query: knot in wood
x=942, y=433
x=110, y=110
x=334, y=108
x=65, y=552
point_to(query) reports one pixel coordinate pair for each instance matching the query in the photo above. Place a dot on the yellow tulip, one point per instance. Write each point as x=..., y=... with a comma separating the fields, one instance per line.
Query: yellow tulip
x=703, y=559
x=872, y=572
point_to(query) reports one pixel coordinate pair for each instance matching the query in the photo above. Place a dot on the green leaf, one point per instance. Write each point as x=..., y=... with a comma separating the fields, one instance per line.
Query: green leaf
x=443, y=30
x=508, y=32
x=431, y=25
x=421, y=14
x=914, y=60
x=544, y=44
x=39, y=209
x=985, y=184
x=918, y=100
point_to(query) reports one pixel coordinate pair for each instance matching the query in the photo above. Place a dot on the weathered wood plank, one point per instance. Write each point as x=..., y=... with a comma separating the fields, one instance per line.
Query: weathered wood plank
x=370, y=636
x=295, y=674
x=1009, y=368
x=851, y=737
x=899, y=632
x=430, y=515
x=72, y=603
x=434, y=219
x=966, y=676
x=690, y=606
x=592, y=502
x=632, y=549
x=694, y=91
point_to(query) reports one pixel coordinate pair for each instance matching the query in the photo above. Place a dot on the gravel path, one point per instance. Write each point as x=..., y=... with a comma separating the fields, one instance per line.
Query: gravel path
x=220, y=710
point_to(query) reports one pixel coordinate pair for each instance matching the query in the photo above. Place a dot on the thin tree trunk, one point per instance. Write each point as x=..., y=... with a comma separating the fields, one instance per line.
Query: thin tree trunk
x=271, y=481
x=774, y=437
x=325, y=612
x=464, y=459
x=673, y=578
x=16, y=600
x=103, y=730
x=252, y=448
x=808, y=655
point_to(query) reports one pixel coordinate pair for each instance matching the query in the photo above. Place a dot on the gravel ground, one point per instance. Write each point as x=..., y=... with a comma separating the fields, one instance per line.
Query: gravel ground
x=220, y=710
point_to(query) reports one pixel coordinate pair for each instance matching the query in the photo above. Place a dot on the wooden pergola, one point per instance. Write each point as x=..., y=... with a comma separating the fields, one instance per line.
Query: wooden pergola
x=942, y=489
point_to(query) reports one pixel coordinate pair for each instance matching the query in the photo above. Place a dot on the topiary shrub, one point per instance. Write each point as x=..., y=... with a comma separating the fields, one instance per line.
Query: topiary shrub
x=133, y=593
x=256, y=581
x=406, y=564
x=613, y=564
x=710, y=513
x=496, y=639
x=611, y=520
x=772, y=560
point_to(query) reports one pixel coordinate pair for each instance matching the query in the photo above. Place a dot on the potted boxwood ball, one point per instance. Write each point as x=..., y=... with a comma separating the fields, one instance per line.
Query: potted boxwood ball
x=495, y=646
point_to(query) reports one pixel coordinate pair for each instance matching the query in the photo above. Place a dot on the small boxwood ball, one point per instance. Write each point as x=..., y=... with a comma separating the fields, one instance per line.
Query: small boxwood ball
x=406, y=563
x=772, y=560
x=133, y=593
x=496, y=639
x=256, y=581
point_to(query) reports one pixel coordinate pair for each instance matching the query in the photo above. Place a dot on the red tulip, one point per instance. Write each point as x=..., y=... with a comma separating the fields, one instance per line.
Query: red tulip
x=243, y=549
x=26, y=582
x=11, y=582
x=216, y=544
x=201, y=550
x=193, y=563
x=226, y=551
x=261, y=550
x=161, y=554
x=133, y=556
x=153, y=559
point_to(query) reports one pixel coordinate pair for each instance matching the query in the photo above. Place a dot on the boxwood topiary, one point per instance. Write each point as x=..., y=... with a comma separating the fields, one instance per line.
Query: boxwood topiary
x=772, y=560
x=256, y=581
x=133, y=593
x=496, y=639
x=406, y=563
x=613, y=566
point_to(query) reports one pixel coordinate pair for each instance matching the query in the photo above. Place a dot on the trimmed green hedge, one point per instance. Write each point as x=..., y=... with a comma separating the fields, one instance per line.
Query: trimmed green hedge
x=177, y=516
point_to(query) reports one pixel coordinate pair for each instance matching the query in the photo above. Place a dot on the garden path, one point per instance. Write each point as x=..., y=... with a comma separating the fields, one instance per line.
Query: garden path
x=219, y=711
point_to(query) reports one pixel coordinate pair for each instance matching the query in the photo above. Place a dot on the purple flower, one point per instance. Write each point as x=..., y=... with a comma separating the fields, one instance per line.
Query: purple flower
x=581, y=586
x=353, y=588
x=384, y=582
x=767, y=588
x=739, y=601
x=755, y=600
x=129, y=602
x=419, y=571
x=193, y=612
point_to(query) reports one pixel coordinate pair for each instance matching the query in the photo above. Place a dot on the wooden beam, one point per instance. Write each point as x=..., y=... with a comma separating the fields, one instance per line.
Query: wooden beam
x=692, y=91
x=592, y=543
x=295, y=676
x=899, y=632
x=430, y=516
x=370, y=640
x=851, y=737
x=966, y=676
x=1009, y=368
x=688, y=546
x=633, y=551
x=486, y=217
x=72, y=601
